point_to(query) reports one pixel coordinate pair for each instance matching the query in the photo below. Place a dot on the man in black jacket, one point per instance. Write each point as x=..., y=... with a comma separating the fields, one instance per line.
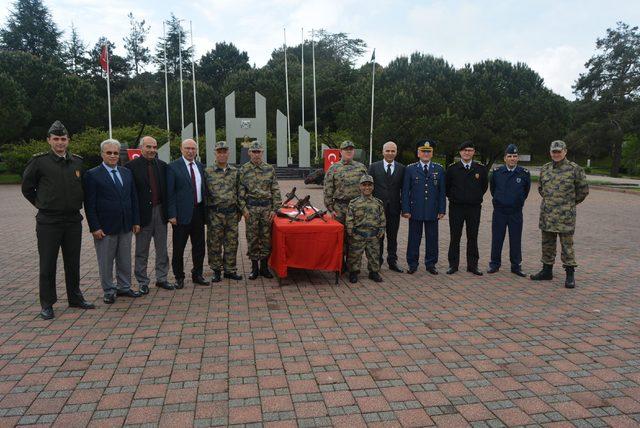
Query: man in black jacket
x=467, y=182
x=150, y=177
x=387, y=178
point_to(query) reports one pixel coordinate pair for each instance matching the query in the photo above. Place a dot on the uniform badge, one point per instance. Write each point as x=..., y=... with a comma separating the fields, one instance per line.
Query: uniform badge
x=477, y=176
x=518, y=180
x=78, y=173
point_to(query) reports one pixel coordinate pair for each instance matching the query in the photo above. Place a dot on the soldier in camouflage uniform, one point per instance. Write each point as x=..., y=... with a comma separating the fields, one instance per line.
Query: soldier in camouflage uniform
x=341, y=186
x=258, y=199
x=562, y=185
x=223, y=214
x=365, y=225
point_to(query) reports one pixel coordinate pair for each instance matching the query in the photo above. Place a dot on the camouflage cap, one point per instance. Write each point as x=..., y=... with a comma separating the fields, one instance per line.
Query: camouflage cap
x=558, y=145
x=347, y=144
x=366, y=179
x=57, y=128
x=221, y=145
x=255, y=146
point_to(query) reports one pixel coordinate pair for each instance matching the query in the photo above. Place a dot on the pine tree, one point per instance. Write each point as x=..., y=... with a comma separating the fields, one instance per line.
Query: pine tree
x=137, y=53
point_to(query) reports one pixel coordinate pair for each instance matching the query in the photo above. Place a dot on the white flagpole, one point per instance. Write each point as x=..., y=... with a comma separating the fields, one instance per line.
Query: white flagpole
x=166, y=81
x=315, y=113
x=180, y=59
x=193, y=76
x=302, y=70
x=286, y=77
x=109, y=90
x=373, y=87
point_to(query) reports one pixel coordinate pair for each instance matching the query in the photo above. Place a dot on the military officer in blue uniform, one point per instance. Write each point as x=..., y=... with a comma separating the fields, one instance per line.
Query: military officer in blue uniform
x=423, y=203
x=509, y=185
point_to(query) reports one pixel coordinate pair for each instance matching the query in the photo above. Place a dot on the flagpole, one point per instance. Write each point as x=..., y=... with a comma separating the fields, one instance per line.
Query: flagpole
x=166, y=81
x=180, y=58
x=302, y=70
x=109, y=91
x=193, y=75
x=286, y=77
x=373, y=87
x=315, y=113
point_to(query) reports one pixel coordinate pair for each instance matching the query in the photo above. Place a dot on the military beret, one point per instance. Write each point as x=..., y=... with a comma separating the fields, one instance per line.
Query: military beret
x=57, y=128
x=255, y=146
x=366, y=179
x=466, y=145
x=425, y=145
x=347, y=144
x=558, y=145
x=221, y=145
x=511, y=149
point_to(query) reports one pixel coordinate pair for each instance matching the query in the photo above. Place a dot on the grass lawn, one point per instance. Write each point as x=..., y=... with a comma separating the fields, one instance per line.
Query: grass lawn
x=10, y=178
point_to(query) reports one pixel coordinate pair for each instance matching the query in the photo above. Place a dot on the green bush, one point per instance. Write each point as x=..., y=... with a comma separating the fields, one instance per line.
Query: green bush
x=631, y=154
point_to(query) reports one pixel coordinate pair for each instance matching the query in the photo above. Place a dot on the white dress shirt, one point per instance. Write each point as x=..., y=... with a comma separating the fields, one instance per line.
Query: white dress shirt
x=386, y=165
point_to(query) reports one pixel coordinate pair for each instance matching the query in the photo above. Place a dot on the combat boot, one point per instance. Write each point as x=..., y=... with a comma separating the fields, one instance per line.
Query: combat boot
x=570, y=281
x=546, y=274
x=375, y=276
x=353, y=277
x=264, y=269
x=255, y=270
x=216, y=276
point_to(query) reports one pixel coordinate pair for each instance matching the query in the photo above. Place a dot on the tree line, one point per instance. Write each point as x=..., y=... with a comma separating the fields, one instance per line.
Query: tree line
x=45, y=76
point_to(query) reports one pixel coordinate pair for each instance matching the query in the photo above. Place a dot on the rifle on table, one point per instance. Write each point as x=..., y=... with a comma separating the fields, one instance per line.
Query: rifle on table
x=289, y=197
x=300, y=206
x=317, y=214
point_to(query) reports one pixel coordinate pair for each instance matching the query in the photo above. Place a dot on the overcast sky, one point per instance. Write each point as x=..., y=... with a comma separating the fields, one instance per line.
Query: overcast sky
x=555, y=37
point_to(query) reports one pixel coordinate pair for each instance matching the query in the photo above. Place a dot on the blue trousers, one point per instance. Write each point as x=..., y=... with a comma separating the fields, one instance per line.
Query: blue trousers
x=431, y=243
x=501, y=220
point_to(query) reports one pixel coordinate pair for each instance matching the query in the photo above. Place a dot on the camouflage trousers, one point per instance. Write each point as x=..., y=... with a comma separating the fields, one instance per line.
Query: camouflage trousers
x=359, y=245
x=258, y=233
x=567, y=255
x=222, y=241
x=341, y=216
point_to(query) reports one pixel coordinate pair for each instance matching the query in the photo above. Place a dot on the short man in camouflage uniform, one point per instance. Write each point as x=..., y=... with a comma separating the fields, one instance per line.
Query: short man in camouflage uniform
x=223, y=214
x=365, y=225
x=341, y=186
x=258, y=199
x=562, y=185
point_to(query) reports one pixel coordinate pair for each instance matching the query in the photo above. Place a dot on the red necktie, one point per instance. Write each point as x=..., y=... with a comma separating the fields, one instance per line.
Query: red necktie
x=193, y=183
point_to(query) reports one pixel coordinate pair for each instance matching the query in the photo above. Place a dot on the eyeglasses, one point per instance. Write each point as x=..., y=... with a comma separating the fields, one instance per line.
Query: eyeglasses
x=111, y=153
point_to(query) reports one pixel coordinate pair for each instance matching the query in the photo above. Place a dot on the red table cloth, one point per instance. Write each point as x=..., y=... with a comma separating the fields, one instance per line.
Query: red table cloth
x=313, y=245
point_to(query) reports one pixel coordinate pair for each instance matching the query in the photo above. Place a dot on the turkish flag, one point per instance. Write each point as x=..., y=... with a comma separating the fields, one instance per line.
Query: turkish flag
x=330, y=156
x=104, y=60
x=134, y=153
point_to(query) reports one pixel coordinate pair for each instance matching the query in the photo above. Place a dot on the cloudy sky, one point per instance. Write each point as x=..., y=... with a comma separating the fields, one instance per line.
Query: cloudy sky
x=555, y=37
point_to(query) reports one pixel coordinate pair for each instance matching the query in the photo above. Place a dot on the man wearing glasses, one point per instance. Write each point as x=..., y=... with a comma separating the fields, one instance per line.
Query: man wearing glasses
x=52, y=182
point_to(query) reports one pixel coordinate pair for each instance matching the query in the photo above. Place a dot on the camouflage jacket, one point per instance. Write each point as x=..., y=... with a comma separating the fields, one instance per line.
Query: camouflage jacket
x=342, y=181
x=365, y=217
x=562, y=186
x=222, y=186
x=258, y=182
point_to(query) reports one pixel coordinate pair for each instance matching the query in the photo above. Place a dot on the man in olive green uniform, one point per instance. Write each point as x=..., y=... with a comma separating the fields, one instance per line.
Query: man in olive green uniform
x=223, y=214
x=341, y=185
x=562, y=185
x=365, y=225
x=258, y=199
x=52, y=182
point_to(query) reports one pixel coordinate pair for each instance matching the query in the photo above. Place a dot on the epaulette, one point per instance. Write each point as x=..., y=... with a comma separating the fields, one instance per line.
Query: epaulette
x=76, y=156
x=436, y=163
x=37, y=155
x=496, y=168
x=525, y=169
x=452, y=164
x=480, y=163
x=412, y=164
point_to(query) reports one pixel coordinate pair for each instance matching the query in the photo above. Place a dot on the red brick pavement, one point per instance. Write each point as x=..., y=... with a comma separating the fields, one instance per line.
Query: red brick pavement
x=413, y=351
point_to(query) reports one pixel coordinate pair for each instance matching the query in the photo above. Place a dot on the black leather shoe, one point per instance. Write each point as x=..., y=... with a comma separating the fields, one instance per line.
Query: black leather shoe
x=144, y=289
x=109, y=299
x=216, y=276
x=519, y=272
x=199, y=279
x=128, y=293
x=452, y=270
x=232, y=275
x=353, y=277
x=47, y=313
x=165, y=285
x=82, y=305
x=432, y=270
x=493, y=269
x=412, y=270
x=179, y=284
x=375, y=276
x=474, y=270
x=394, y=267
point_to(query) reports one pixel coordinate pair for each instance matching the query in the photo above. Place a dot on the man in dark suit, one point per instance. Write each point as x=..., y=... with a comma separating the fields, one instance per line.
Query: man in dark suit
x=150, y=177
x=423, y=204
x=387, y=179
x=111, y=207
x=467, y=182
x=186, y=211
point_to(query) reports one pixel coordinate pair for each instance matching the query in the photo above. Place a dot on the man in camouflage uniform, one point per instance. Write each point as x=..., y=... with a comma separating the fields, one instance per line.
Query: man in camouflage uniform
x=562, y=185
x=365, y=225
x=258, y=199
x=221, y=181
x=341, y=186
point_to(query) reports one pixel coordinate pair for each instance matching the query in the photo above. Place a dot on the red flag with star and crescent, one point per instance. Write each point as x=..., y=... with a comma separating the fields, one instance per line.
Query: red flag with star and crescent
x=104, y=60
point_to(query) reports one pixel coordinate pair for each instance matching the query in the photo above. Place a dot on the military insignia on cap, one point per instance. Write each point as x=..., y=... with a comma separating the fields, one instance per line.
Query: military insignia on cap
x=57, y=128
x=426, y=147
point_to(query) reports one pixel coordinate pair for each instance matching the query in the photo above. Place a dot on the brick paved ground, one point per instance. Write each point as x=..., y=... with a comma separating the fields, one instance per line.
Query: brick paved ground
x=413, y=351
